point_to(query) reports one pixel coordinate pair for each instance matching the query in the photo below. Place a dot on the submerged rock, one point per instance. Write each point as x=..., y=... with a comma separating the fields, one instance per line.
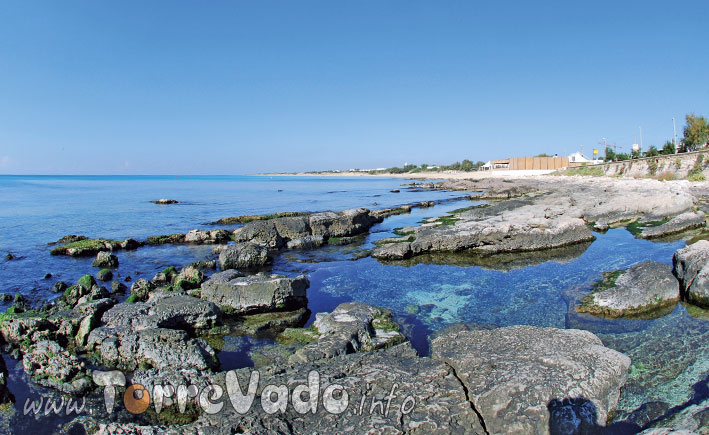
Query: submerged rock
x=255, y=293
x=104, y=275
x=105, y=259
x=245, y=255
x=164, y=201
x=523, y=379
x=691, y=267
x=644, y=287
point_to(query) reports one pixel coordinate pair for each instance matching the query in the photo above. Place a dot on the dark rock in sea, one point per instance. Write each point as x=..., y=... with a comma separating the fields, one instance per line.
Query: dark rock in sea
x=86, y=247
x=47, y=275
x=395, y=191
x=130, y=244
x=643, y=288
x=691, y=267
x=69, y=239
x=5, y=395
x=524, y=379
x=165, y=201
x=48, y=364
x=255, y=293
x=5, y=297
x=118, y=287
x=351, y=327
x=246, y=255
x=272, y=322
x=9, y=256
x=59, y=286
x=104, y=275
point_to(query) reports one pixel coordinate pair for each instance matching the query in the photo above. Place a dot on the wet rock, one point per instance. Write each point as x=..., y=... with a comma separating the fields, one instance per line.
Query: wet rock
x=351, y=327
x=165, y=201
x=71, y=238
x=683, y=222
x=201, y=236
x=644, y=287
x=5, y=297
x=47, y=276
x=255, y=293
x=105, y=259
x=104, y=275
x=520, y=378
x=86, y=248
x=130, y=244
x=50, y=365
x=245, y=255
x=118, y=287
x=342, y=224
x=179, y=311
x=59, y=286
x=272, y=322
x=9, y=256
x=307, y=242
x=188, y=278
x=140, y=290
x=691, y=267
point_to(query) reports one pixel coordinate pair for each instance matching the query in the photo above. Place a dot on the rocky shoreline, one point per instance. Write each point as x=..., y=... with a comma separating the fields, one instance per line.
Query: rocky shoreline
x=516, y=379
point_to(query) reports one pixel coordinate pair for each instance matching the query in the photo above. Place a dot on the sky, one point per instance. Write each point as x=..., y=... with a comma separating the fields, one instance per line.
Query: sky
x=235, y=87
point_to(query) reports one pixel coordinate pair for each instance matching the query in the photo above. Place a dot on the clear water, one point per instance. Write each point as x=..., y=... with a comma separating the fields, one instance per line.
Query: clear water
x=670, y=354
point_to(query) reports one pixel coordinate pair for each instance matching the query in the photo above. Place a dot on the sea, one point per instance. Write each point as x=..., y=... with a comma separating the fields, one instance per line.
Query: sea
x=670, y=353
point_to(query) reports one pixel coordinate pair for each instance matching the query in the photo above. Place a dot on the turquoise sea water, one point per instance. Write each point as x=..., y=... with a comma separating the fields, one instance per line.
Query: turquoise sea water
x=670, y=354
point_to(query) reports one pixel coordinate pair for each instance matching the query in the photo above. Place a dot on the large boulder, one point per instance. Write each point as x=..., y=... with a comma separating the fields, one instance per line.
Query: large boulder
x=204, y=236
x=691, y=267
x=350, y=327
x=158, y=333
x=50, y=365
x=244, y=255
x=644, y=287
x=524, y=379
x=255, y=293
x=345, y=223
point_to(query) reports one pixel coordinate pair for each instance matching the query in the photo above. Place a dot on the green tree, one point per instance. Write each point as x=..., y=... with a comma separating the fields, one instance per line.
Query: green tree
x=696, y=133
x=466, y=166
x=652, y=151
x=668, y=148
x=543, y=155
x=622, y=156
x=610, y=154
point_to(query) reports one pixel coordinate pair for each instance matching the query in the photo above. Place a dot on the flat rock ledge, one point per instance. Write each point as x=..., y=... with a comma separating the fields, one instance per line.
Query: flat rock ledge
x=527, y=228
x=683, y=222
x=643, y=288
x=691, y=267
x=524, y=379
x=235, y=293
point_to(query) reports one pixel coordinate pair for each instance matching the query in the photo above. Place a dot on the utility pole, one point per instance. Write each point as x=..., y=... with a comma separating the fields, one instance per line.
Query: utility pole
x=674, y=128
x=641, y=137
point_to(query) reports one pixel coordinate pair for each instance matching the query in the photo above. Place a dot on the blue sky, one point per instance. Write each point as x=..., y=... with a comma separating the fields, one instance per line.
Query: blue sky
x=230, y=87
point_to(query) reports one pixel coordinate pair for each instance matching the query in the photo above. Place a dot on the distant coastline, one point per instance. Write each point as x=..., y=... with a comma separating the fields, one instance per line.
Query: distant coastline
x=433, y=175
